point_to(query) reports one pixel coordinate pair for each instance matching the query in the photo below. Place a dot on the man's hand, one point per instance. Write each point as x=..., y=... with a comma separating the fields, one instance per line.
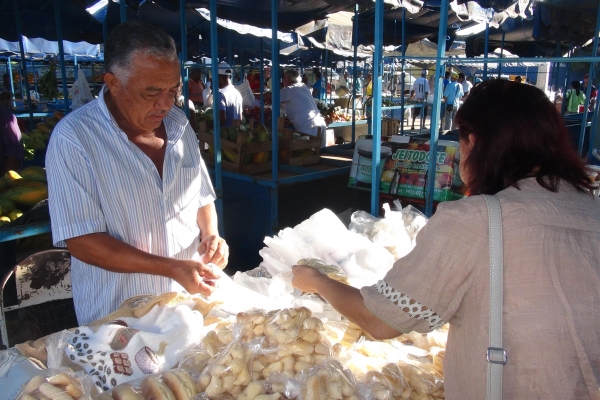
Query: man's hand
x=194, y=276
x=215, y=251
x=308, y=279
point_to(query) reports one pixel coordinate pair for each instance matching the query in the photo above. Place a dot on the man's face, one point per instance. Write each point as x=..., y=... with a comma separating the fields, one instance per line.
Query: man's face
x=146, y=98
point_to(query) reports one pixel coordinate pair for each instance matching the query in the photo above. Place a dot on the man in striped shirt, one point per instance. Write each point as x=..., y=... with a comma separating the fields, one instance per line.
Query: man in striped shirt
x=129, y=193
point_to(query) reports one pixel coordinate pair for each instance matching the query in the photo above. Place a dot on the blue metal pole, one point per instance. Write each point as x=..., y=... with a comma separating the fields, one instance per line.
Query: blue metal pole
x=229, y=50
x=214, y=55
x=485, y=48
x=275, y=97
x=403, y=73
x=10, y=76
x=501, y=53
x=588, y=92
x=75, y=69
x=122, y=10
x=61, y=53
x=435, y=112
x=262, y=84
x=354, y=71
x=376, y=115
x=33, y=72
x=184, y=71
x=325, y=72
x=23, y=62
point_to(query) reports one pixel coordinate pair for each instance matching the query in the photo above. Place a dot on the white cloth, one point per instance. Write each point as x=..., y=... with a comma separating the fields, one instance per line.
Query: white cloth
x=301, y=109
x=466, y=86
x=420, y=87
x=230, y=101
x=130, y=348
x=99, y=181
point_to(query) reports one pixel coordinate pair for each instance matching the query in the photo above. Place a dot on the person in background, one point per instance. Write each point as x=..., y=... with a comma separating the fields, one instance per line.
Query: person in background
x=447, y=75
x=593, y=93
x=477, y=81
x=358, y=85
x=300, y=106
x=575, y=97
x=305, y=81
x=551, y=231
x=319, y=91
x=179, y=103
x=129, y=194
x=466, y=86
x=518, y=79
x=196, y=87
x=452, y=95
x=230, y=99
x=420, y=91
x=369, y=85
x=12, y=152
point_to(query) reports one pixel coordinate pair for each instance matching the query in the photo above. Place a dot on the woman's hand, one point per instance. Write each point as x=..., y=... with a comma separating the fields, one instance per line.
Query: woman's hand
x=308, y=279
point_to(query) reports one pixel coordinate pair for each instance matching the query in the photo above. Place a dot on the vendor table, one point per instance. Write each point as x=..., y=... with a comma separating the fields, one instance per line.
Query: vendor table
x=35, y=114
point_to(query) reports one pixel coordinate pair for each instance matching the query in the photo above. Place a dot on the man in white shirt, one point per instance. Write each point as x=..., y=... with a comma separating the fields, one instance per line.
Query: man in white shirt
x=466, y=86
x=129, y=194
x=230, y=99
x=300, y=106
x=420, y=91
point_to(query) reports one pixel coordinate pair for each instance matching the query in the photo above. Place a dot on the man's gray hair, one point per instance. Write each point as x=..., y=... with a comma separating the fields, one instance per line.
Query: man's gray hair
x=135, y=37
x=292, y=75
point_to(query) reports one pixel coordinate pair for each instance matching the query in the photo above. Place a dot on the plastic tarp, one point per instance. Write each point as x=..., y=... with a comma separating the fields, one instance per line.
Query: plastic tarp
x=43, y=46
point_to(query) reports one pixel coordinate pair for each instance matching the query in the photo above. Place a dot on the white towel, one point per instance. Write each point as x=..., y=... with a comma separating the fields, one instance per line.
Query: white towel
x=130, y=348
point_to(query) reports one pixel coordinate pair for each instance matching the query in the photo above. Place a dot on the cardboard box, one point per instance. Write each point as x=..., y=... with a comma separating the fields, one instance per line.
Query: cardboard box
x=405, y=171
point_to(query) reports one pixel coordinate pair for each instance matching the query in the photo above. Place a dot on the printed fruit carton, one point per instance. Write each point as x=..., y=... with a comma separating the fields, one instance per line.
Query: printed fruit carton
x=405, y=171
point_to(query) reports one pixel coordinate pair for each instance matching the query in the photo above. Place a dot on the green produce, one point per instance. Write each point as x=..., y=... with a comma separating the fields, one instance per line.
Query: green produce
x=47, y=84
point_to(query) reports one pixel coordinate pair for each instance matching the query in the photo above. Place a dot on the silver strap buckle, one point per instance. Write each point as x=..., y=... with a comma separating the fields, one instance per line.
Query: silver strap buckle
x=494, y=358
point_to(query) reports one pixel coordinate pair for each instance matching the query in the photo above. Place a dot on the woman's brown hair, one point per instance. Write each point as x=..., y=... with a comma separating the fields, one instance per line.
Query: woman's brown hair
x=518, y=134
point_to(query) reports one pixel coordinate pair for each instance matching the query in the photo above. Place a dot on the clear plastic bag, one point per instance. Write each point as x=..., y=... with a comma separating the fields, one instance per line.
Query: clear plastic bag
x=332, y=271
x=80, y=91
x=174, y=384
x=60, y=383
x=328, y=380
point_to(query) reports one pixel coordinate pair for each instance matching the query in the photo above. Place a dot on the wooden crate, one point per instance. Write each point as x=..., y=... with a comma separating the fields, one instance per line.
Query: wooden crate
x=287, y=146
x=389, y=126
x=242, y=152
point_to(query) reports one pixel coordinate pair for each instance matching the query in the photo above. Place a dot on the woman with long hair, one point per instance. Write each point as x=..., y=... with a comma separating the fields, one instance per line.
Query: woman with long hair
x=513, y=145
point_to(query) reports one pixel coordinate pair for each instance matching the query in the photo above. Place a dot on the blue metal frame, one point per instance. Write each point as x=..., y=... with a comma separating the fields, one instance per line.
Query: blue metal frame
x=214, y=55
x=485, y=49
x=588, y=92
x=376, y=114
x=435, y=111
x=184, y=72
x=274, y=89
x=61, y=54
x=354, y=70
x=24, y=76
x=19, y=232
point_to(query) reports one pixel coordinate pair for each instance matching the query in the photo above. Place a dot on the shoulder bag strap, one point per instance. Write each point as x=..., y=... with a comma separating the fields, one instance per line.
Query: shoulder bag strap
x=496, y=355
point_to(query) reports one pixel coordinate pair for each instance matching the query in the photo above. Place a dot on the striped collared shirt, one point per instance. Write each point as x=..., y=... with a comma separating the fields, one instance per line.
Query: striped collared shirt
x=99, y=181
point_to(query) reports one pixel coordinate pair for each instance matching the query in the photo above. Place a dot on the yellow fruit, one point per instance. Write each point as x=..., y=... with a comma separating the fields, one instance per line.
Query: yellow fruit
x=44, y=128
x=260, y=157
x=229, y=155
x=13, y=178
x=14, y=214
x=4, y=219
x=51, y=121
x=28, y=194
x=7, y=205
x=34, y=174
